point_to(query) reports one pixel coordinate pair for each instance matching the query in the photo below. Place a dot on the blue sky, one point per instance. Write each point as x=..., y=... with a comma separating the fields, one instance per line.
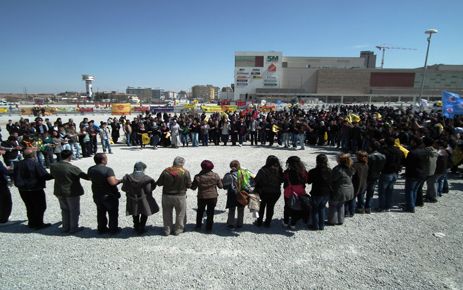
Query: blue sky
x=47, y=44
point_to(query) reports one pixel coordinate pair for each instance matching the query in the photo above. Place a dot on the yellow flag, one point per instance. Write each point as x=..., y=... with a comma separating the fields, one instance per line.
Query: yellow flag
x=275, y=129
x=145, y=139
x=401, y=148
x=355, y=118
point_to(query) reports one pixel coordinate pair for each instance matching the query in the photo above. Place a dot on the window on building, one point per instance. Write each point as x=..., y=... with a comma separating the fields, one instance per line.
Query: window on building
x=259, y=61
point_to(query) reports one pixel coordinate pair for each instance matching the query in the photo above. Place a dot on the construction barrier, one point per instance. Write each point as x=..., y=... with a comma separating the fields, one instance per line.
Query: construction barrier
x=141, y=109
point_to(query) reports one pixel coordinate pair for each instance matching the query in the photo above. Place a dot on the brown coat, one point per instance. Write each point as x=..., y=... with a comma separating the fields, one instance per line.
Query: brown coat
x=174, y=181
x=207, y=183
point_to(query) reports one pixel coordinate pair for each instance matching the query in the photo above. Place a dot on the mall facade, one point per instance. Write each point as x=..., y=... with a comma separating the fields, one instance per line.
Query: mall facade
x=272, y=76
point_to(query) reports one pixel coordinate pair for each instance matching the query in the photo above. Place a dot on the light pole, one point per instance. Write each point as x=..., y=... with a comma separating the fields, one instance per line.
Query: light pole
x=430, y=32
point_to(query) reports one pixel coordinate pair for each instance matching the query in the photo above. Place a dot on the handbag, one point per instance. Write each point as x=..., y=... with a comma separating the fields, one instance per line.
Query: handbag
x=254, y=201
x=242, y=197
x=295, y=202
x=305, y=200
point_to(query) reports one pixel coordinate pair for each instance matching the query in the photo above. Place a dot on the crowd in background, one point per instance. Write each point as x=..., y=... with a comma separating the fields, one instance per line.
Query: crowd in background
x=383, y=139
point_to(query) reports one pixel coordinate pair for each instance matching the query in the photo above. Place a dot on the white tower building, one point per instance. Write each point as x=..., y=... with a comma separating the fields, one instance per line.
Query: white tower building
x=88, y=84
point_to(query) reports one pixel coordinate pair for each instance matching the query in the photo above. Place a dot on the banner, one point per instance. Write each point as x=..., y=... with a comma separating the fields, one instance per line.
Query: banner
x=26, y=111
x=229, y=108
x=161, y=109
x=140, y=109
x=211, y=109
x=452, y=104
x=121, y=109
x=3, y=110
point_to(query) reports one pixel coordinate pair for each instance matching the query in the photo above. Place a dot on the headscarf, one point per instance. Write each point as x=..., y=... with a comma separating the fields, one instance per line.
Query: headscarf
x=207, y=165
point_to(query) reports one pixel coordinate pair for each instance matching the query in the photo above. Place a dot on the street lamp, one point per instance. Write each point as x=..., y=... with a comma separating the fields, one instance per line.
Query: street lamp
x=430, y=32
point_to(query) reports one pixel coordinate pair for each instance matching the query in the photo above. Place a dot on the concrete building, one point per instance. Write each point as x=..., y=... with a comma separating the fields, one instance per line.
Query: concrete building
x=261, y=72
x=145, y=95
x=269, y=75
x=369, y=58
x=207, y=92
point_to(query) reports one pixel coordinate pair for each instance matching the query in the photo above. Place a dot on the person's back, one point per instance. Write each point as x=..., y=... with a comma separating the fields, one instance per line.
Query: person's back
x=67, y=179
x=100, y=187
x=207, y=184
x=360, y=176
x=376, y=162
x=268, y=180
x=417, y=164
x=175, y=180
x=342, y=186
x=431, y=160
x=320, y=178
x=393, y=162
x=30, y=175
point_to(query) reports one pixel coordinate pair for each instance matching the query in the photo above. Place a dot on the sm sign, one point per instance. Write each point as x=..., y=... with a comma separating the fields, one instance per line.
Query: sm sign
x=272, y=58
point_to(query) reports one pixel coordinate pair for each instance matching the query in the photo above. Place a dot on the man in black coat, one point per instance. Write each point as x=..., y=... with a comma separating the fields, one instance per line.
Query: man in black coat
x=29, y=177
x=416, y=172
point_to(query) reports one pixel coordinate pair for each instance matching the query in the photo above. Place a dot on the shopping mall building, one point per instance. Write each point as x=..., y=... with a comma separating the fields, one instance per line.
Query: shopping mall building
x=271, y=76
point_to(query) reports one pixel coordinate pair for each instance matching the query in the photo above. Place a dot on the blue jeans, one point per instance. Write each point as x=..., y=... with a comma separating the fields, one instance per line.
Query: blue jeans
x=75, y=149
x=411, y=188
x=286, y=139
x=127, y=139
x=294, y=139
x=318, y=211
x=349, y=207
x=386, y=189
x=300, y=138
x=205, y=139
x=184, y=138
x=370, y=190
x=195, y=140
x=105, y=145
x=440, y=183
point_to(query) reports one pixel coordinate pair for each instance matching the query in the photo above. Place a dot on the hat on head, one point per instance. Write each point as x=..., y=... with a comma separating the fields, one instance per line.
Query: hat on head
x=207, y=165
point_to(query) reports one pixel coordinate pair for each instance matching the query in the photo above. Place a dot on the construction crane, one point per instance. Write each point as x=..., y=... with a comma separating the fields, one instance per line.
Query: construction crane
x=384, y=47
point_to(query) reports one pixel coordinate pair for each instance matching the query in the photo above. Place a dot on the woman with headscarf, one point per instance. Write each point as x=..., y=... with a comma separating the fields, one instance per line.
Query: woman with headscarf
x=343, y=189
x=268, y=184
x=140, y=201
x=238, y=181
x=295, y=178
x=206, y=182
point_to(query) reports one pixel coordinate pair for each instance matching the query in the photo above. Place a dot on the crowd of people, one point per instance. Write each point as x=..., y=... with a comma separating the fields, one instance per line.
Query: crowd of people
x=383, y=140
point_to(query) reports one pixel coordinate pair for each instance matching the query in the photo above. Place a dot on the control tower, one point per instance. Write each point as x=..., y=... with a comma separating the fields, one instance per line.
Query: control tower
x=88, y=84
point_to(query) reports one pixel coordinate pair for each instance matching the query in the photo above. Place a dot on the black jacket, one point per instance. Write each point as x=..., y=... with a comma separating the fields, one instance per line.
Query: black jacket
x=376, y=162
x=268, y=181
x=28, y=174
x=393, y=160
x=320, y=178
x=417, y=164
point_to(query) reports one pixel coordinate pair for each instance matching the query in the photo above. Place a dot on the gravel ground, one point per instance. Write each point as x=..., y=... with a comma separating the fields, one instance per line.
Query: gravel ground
x=382, y=250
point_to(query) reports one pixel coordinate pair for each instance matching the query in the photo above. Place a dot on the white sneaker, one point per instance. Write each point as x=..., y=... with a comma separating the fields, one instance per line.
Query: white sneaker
x=293, y=228
x=285, y=224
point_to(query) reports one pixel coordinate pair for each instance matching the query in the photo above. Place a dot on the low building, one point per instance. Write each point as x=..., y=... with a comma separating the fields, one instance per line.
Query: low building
x=270, y=75
x=204, y=92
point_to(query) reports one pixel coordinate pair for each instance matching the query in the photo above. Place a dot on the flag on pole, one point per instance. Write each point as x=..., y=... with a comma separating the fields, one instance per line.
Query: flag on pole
x=452, y=104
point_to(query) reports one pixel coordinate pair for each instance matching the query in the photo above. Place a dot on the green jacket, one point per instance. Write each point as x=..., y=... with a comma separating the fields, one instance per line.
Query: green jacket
x=67, y=179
